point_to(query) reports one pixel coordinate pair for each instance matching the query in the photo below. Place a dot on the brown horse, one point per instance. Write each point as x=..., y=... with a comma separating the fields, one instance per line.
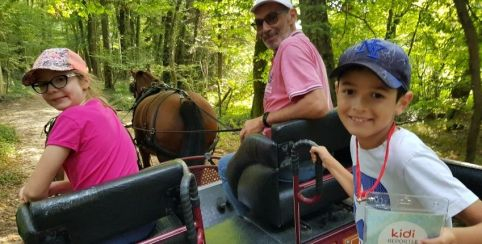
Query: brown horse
x=169, y=122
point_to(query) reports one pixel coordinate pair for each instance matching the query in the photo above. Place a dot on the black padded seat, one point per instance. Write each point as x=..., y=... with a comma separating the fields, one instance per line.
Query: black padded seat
x=105, y=211
x=469, y=174
x=254, y=170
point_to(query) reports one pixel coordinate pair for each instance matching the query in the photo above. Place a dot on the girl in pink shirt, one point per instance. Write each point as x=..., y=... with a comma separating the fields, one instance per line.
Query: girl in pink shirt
x=87, y=139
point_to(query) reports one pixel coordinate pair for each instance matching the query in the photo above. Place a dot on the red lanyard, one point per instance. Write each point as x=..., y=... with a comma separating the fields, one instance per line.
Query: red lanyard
x=361, y=195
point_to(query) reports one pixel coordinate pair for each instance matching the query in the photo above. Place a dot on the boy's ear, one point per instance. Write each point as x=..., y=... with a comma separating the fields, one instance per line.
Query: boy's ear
x=404, y=102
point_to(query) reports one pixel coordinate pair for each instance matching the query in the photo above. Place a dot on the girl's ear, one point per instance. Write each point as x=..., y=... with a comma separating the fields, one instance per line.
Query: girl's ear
x=403, y=102
x=84, y=82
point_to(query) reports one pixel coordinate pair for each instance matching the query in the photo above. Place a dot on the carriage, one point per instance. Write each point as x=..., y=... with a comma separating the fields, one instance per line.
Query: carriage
x=187, y=212
x=183, y=201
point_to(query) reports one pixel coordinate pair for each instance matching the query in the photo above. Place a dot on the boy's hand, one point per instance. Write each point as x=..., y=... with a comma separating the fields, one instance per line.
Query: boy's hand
x=323, y=153
x=446, y=237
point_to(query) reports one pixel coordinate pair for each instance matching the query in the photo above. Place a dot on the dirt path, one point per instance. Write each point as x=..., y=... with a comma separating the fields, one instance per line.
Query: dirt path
x=27, y=116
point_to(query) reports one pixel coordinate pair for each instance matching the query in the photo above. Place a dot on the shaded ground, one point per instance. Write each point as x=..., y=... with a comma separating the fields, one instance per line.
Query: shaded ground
x=27, y=116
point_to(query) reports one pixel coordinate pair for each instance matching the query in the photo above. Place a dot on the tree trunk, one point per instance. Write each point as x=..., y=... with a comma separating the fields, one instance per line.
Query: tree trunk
x=138, y=31
x=474, y=69
x=183, y=41
x=314, y=16
x=92, y=42
x=2, y=82
x=196, y=21
x=391, y=26
x=82, y=43
x=219, y=78
x=159, y=43
x=419, y=19
x=172, y=45
x=259, y=66
x=122, y=26
x=108, y=83
x=132, y=29
x=168, y=32
x=219, y=68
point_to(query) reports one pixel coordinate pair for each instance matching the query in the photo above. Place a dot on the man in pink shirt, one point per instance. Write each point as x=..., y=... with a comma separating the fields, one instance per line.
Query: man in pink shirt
x=298, y=85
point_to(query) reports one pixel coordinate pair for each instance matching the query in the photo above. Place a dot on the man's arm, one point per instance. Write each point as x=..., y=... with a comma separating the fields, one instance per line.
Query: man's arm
x=311, y=106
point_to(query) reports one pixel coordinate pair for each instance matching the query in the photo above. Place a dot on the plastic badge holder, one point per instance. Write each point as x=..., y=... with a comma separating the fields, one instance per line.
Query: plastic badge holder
x=399, y=218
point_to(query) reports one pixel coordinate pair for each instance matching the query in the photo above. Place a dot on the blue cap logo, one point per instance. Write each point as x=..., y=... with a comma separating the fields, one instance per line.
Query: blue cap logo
x=371, y=48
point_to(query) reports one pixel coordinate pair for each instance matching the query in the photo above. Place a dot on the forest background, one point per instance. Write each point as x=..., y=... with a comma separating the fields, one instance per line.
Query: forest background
x=210, y=47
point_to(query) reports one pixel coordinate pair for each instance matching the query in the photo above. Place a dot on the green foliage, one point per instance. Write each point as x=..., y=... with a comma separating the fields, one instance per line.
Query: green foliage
x=428, y=31
x=228, y=142
x=10, y=174
x=7, y=135
x=442, y=136
x=121, y=98
x=237, y=116
x=219, y=60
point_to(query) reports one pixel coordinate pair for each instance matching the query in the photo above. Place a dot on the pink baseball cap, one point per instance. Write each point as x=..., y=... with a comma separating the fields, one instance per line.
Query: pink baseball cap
x=58, y=59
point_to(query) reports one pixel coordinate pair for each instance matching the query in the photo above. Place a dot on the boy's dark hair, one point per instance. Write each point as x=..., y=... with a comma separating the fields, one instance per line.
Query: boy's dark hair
x=386, y=59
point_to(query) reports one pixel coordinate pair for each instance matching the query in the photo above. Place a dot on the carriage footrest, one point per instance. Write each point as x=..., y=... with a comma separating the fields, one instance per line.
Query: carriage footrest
x=167, y=224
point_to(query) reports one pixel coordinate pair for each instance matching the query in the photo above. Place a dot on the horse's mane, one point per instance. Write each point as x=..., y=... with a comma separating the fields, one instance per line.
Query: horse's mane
x=146, y=76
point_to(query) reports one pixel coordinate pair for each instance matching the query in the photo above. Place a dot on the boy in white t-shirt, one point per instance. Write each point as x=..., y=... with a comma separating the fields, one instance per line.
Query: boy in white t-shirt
x=373, y=87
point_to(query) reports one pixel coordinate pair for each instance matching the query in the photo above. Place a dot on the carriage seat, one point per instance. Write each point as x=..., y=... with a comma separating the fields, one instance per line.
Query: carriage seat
x=253, y=173
x=469, y=174
x=102, y=212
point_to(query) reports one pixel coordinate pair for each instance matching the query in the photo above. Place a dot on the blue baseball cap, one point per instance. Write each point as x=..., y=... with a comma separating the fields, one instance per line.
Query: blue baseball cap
x=384, y=58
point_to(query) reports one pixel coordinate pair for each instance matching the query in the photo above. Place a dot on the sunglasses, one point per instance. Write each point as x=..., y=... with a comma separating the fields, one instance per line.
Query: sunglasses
x=270, y=19
x=58, y=82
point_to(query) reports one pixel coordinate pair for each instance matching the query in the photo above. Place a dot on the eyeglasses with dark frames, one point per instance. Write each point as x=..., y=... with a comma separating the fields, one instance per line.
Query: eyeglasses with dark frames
x=270, y=19
x=58, y=82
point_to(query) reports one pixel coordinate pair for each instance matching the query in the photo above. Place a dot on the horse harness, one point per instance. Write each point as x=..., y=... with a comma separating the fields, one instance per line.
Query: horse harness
x=150, y=140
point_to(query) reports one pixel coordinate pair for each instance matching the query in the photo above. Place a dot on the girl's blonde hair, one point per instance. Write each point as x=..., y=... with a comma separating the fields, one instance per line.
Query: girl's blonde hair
x=93, y=90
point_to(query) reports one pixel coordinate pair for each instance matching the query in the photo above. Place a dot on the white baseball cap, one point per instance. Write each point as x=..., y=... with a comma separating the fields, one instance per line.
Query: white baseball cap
x=258, y=3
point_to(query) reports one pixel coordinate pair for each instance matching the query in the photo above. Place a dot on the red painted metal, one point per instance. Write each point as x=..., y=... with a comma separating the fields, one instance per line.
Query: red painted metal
x=165, y=236
x=342, y=235
x=198, y=220
x=299, y=198
x=296, y=209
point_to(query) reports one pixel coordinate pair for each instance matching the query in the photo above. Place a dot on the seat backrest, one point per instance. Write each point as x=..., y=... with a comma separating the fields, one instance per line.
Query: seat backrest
x=468, y=174
x=327, y=131
x=104, y=211
x=253, y=172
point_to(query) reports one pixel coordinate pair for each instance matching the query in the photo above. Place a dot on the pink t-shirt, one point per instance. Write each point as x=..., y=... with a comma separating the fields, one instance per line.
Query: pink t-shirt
x=297, y=69
x=102, y=149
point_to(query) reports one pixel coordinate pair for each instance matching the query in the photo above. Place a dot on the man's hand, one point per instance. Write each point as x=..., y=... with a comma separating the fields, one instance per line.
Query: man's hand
x=251, y=126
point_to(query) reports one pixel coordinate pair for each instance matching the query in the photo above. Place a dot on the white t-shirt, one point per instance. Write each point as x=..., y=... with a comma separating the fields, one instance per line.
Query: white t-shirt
x=413, y=169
